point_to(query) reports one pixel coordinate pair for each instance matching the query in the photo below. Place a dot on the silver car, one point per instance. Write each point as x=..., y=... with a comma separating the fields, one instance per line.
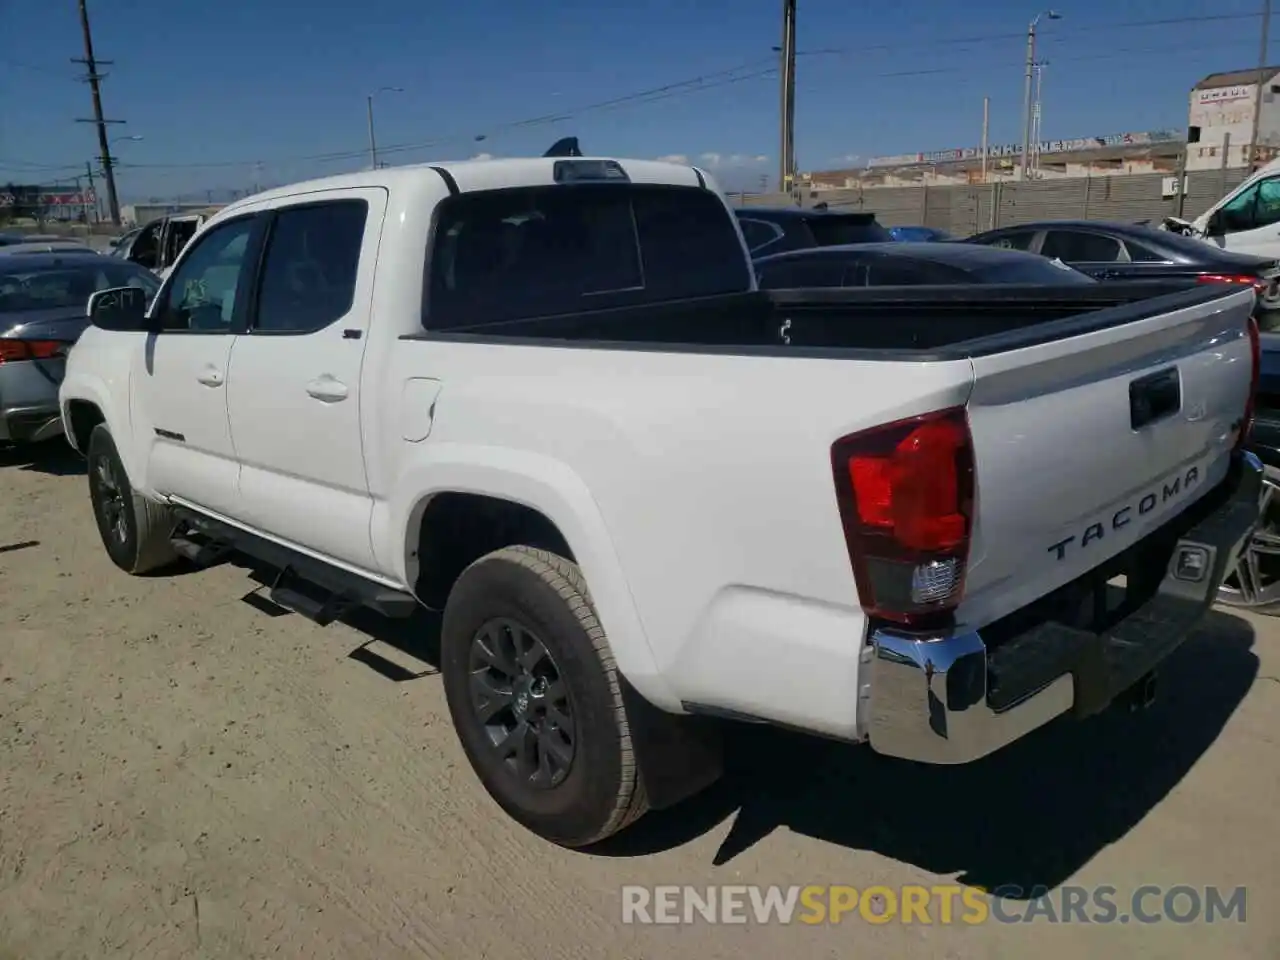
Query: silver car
x=42, y=313
x=46, y=246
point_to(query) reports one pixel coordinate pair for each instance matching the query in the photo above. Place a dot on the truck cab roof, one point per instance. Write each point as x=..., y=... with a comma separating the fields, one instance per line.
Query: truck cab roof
x=470, y=175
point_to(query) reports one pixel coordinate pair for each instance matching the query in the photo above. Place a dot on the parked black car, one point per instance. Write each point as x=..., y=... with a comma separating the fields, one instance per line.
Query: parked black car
x=1130, y=251
x=904, y=263
x=776, y=229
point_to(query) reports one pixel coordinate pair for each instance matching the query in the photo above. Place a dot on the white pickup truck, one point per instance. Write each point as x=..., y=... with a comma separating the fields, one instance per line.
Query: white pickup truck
x=546, y=397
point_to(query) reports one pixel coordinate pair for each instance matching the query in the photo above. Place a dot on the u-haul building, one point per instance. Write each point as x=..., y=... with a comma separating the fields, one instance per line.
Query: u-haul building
x=1220, y=123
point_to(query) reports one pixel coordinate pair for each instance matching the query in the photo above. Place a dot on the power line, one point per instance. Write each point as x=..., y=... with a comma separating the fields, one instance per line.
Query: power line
x=709, y=81
x=655, y=96
x=667, y=91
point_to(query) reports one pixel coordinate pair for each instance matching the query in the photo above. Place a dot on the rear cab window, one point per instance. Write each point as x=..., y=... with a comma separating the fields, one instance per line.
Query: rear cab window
x=521, y=253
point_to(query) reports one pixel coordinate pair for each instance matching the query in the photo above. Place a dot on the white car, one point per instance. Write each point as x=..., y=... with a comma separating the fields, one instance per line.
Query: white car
x=545, y=396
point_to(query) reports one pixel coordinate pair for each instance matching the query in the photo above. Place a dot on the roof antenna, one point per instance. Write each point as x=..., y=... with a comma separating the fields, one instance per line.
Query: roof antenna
x=566, y=147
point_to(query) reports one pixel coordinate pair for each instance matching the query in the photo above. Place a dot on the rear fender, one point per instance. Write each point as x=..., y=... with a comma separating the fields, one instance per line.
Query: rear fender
x=559, y=494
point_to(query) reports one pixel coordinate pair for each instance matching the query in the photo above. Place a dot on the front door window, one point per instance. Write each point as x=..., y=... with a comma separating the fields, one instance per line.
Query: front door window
x=201, y=294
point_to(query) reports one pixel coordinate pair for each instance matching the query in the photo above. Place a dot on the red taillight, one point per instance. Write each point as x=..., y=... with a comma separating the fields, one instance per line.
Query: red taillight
x=11, y=350
x=1255, y=352
x=1259, y=284
x=905, y=492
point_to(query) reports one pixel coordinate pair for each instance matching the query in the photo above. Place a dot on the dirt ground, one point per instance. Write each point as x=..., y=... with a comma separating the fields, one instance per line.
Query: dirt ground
x=183, y=774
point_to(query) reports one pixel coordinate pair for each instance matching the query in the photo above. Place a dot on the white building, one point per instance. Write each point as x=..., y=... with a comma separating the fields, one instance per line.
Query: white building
x=1220, y=125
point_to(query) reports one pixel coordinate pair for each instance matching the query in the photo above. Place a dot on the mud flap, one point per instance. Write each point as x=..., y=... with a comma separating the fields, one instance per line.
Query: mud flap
x=678, y=755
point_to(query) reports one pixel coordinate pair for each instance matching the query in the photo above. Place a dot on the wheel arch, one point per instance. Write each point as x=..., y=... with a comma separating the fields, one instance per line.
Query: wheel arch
x=86, y=403
x=534, y=494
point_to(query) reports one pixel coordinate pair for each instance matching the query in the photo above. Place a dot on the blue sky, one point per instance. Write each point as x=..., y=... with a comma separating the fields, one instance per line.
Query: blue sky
x=244, y=92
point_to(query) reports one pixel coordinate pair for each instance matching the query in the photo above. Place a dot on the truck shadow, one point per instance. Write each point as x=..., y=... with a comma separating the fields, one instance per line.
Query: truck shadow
x=418, y=636
x=53, y=457
x=1027, y=817
x=1030, y=815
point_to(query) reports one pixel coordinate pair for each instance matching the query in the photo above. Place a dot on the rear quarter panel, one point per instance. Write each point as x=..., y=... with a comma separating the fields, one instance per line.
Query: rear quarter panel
x=695, y=490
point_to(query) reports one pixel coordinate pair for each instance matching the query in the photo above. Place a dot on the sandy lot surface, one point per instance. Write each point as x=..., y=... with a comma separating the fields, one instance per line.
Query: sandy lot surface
x=183, y=774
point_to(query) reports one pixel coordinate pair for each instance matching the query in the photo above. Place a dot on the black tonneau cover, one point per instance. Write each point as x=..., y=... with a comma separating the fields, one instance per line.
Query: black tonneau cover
x=916, y=323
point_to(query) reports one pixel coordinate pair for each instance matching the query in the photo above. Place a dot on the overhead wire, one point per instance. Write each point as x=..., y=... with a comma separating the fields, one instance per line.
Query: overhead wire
x=744, y=72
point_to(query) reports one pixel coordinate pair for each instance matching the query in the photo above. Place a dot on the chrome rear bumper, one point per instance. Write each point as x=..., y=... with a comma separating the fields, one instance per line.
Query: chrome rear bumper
x=954, y=698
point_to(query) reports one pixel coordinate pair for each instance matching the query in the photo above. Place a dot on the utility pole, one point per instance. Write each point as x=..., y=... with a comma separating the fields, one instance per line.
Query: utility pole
x=986, y=127
x=1026, y=93
x=786, y=158
x=1037, y=114
x=373, y=144
x=88, y=170
x=1262, y=77
x=93, y=78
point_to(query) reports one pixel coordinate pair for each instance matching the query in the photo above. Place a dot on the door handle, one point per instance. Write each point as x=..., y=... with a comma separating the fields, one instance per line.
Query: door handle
x=327, y=389
x=210, y=377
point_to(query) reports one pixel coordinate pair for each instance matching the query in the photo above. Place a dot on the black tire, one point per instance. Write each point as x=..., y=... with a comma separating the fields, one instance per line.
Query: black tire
x=135, y=531
x=524, y=588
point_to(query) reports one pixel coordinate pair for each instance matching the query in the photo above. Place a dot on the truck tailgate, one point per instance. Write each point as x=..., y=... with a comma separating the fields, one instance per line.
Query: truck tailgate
x=1085, y=445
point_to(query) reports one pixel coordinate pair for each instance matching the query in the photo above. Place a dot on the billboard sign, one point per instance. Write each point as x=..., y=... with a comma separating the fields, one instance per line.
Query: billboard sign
x=1015, y=149
x=38, y=197
x=1241, y=91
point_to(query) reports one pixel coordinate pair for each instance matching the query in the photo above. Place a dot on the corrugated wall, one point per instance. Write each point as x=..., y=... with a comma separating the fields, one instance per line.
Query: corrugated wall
x=964, y=209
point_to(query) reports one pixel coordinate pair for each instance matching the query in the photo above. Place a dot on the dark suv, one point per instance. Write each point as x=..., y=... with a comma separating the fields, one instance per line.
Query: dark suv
x=770, y=230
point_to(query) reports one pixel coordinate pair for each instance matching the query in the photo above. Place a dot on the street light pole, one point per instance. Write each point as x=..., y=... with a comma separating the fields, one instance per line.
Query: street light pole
x=373, y=143
x=1026, y=93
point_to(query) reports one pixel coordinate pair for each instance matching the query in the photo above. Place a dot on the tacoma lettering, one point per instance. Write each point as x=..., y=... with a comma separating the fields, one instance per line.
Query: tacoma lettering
x=1169, y=490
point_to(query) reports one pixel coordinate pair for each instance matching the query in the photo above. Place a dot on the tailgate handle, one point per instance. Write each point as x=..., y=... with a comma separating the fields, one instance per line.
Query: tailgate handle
x=1154, y=397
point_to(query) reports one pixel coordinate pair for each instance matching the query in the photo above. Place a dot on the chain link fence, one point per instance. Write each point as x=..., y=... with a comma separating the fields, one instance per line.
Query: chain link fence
x=964, y=209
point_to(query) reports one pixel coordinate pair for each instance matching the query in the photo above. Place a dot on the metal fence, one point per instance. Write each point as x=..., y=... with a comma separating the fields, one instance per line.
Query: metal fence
x=965, y=209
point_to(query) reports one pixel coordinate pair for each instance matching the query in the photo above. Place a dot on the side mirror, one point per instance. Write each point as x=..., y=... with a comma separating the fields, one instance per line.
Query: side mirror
x=122, y=309
x=113, y=242
x=1214, y=226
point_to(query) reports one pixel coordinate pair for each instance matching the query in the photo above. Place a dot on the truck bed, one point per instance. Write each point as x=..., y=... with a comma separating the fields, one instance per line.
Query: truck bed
x=905, y=323
x=1069, y=439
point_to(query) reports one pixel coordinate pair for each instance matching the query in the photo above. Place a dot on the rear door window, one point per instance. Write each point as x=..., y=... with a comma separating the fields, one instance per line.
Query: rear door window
x=1140, y=254
x=310, y=266
x=1017, y=240
x=504, y=255
x=1076, y=246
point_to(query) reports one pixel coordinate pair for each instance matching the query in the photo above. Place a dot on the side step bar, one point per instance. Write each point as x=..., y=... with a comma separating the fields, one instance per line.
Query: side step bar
x=304, y=585
x=291, y=592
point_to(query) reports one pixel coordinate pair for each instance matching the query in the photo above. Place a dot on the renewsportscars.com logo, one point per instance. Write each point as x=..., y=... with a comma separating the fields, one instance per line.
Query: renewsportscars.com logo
x=937, y=904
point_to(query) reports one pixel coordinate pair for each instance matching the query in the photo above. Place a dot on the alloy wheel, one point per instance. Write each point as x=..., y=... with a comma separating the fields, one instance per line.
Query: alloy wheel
x=1255, y=581
x=521, y=702
x=110, y=500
